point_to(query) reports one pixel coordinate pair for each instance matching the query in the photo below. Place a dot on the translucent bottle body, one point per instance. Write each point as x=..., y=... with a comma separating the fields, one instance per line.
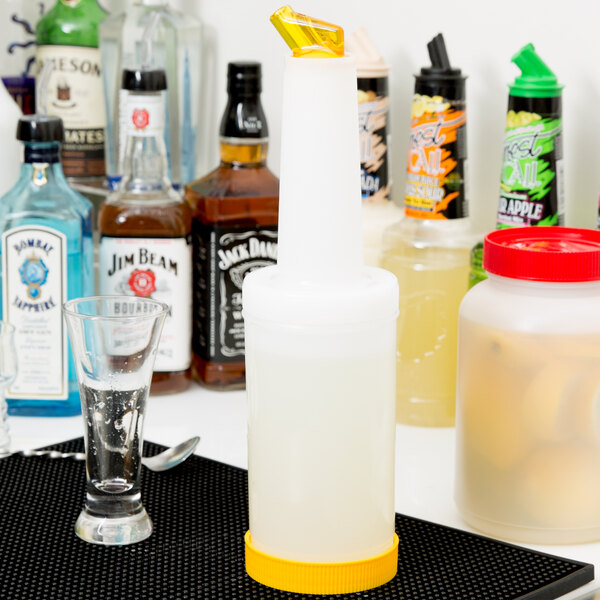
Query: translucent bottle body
x=321, y=380
x=176, y=48
x=41, y=198
x=528, y=438
x=431, y=261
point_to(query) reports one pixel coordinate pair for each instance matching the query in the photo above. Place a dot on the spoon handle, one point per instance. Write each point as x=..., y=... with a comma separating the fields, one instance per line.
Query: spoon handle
x=48, y=453
x=53, y=454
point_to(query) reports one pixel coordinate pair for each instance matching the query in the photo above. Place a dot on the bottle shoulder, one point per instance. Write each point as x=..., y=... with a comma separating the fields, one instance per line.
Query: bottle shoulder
x=77, y=26
x=428, y=233
x=122, y=217
x=533, y=306
x=227, y=181
x=236, y=196
x=54, y=199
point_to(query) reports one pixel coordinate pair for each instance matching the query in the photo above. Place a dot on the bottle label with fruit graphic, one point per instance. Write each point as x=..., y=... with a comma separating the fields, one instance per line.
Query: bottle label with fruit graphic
x=157, y=268
x=435, y=182
x=531, y=183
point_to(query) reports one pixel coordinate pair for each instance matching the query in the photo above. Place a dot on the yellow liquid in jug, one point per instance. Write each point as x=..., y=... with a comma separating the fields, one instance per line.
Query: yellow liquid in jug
x=528, y=434
x=432, y=281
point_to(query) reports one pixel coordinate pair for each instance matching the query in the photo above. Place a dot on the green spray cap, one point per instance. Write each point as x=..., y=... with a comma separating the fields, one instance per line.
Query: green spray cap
x=536, y=79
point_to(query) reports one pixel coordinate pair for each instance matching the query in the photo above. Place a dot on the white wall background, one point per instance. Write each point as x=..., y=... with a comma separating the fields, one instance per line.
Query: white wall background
x=481, y=36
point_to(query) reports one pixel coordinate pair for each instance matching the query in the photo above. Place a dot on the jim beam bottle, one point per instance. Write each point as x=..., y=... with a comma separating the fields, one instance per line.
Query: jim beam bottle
x=67, y=35
x=235, y=209
x=145, y=246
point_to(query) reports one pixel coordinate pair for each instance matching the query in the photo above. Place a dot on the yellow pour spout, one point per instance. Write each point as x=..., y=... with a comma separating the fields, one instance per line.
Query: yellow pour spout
x=308, y=37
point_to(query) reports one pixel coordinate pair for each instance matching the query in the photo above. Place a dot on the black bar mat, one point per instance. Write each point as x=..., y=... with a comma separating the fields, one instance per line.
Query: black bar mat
x=199, y=512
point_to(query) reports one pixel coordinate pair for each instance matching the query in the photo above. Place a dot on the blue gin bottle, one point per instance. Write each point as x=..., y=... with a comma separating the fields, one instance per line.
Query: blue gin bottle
x=46, y=259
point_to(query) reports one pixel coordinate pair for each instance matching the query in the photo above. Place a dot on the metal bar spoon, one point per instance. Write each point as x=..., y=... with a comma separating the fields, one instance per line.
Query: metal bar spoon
x=167, y=459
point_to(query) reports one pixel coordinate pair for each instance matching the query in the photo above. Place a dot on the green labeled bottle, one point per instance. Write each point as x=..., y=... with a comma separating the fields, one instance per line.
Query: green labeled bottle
x=531, y=182
x=67, y=35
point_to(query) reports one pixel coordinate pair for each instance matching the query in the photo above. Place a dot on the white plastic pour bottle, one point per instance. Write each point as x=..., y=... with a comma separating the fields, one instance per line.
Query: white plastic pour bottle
x=320, y=350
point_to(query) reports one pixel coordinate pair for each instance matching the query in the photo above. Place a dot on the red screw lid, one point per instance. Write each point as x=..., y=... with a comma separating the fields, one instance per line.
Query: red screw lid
x=543, y=253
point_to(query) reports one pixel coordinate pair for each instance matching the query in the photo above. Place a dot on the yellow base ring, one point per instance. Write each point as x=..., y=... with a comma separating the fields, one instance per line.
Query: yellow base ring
x=321, y=578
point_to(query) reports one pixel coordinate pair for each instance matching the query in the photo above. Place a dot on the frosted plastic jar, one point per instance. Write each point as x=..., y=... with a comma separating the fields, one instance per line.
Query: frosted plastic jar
x=528, y=388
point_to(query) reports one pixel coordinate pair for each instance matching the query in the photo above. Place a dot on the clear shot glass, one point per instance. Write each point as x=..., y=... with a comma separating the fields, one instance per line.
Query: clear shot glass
x=114, y=341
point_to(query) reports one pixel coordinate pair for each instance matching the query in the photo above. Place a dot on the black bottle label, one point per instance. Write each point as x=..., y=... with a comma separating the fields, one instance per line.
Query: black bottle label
x=223, y=256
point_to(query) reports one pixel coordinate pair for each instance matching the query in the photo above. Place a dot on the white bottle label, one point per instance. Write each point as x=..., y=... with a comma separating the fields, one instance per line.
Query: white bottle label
x=145, y=114
x=75, y=94
x=157, y=268
x=34, y=264
x=75, y=90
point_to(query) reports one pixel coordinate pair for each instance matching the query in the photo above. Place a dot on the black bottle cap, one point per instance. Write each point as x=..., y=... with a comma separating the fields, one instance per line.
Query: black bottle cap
x=144, y=80
x=40, y=128
x=244, y=77
x=440, y=79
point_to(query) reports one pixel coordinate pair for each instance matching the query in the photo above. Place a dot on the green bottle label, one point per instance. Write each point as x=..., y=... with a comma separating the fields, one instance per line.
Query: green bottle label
x=531, y=187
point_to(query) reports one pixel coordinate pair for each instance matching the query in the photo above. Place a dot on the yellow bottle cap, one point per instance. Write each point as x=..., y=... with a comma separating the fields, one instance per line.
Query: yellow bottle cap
x=321, y=578
x=308, y=37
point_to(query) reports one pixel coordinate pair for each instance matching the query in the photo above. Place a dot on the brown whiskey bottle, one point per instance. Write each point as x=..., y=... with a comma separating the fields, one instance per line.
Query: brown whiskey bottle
x=145, y=244
x=234, y=231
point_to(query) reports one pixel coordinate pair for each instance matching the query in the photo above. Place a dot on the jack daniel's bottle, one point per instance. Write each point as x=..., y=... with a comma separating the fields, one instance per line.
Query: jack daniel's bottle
x=145, y=243
x=67, y=36
x=235, y=210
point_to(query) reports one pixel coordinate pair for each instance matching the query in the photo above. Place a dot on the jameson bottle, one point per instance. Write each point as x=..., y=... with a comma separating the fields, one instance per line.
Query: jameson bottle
x=145, y=246
x=531, y=181
x=67, y=35
x=234, y=230
x=47, y=259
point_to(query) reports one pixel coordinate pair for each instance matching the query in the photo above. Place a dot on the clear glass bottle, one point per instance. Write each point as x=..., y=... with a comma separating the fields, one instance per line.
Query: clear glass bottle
x=235, y=210
x=428, y=250
x=67, y=35
x=176, y=44
x=47, y=258
x=145, y=246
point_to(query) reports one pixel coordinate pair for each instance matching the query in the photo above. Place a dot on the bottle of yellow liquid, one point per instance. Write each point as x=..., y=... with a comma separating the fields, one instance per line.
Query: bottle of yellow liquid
x=428, y=250
x=320, y=348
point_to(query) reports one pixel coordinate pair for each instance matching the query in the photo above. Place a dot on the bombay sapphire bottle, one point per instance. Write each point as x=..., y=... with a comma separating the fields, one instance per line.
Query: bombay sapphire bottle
x=47, y=258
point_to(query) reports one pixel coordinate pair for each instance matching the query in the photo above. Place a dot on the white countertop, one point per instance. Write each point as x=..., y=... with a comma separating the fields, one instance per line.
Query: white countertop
x=424, y=457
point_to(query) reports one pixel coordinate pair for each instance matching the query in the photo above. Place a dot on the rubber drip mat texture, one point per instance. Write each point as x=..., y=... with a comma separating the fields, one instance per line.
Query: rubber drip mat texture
x=199, y=512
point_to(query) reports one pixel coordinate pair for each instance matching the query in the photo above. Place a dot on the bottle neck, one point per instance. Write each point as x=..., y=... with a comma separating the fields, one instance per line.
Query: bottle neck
x=243, y=152
x=42, y=152
x=41, y=164
x=145, y=167
x=243, y=132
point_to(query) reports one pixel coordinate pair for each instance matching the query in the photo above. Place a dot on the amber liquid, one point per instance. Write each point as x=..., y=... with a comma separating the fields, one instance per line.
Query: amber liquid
x=143, y=219
x=241, y=191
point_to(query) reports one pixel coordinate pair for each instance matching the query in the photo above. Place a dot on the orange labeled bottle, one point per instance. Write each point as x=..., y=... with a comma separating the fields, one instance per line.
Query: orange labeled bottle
x=234, y=231
x=145, y=226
